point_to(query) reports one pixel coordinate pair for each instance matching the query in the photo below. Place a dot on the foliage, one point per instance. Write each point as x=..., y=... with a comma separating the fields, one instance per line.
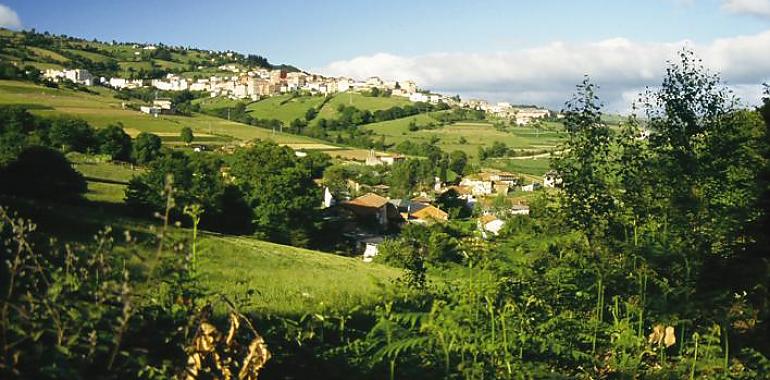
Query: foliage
x=147, y=148
x=40, y=172
x=114, y=142
x=279, y=190
x=186, y=134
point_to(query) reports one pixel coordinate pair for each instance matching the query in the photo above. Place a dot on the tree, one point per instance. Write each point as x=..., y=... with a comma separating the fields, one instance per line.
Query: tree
x=194, y=180
x=187, y=135
x=41, y=172
x=310, y=114
x=147, y=148
x=279, y=190
x=586, y=164
x=70, y=135
x=457, y=161
x=114, y=142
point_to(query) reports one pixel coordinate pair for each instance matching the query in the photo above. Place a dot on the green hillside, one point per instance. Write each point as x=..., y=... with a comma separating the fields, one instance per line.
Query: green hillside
x=285, y=108
x=475, y=135
x=362, y=102
x=102, y=109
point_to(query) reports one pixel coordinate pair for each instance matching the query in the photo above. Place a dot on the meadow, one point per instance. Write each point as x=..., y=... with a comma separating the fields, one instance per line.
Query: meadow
x=360, y=101
x=285, y=108
x=475, y=135
x=102, y=109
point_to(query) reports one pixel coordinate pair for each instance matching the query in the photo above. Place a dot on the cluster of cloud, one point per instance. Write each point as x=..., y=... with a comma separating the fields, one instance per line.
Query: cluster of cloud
x=8, y=18
x=758, y=8
x=546, y=75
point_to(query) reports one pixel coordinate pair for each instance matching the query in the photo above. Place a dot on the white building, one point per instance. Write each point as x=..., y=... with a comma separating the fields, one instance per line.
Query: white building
x=418, y=97
x=527, y=115
x=478, y=187
x=79, y=76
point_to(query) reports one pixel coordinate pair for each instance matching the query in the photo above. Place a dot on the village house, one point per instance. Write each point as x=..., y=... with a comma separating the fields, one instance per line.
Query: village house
x=525, y=116
x=531, y=187
x=428, y=214
x=374, y=159
x=374, y=209
x=490, y=223
x=79, y=76
x=552, y=179
x=478, y=186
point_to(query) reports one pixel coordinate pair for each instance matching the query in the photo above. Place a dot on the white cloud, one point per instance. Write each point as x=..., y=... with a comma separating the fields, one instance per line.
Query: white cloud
x=759, y=8
x=9, y=18
x=547, y=74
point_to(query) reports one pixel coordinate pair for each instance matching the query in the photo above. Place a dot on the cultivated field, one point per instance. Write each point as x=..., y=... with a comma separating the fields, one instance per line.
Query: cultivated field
x=476, y=134
x=284, y=107
x=329, y=110
x=103, y=109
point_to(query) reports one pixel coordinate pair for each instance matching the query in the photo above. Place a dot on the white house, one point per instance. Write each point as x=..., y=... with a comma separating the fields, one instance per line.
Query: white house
x=531, y=187
x=527, y=115
x=418, y=97
x=150, y=110
x=552, y=179
x=478, y=187
x=490, y=223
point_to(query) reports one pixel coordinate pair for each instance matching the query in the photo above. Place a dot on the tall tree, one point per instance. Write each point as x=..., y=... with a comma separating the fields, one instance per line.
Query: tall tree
x=586, y=163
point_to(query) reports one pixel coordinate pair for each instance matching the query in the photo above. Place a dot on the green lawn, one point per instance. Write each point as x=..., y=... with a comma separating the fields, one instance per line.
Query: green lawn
x=48, y=54
x=284, y=107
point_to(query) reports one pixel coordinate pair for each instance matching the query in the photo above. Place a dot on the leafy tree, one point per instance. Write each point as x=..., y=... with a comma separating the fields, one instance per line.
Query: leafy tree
x=316, y=163
x=147, y=147
x=457, y=161
x=114, y=142
x=187, y=135
x=310, y=114
x=586, y=164
x=280, y=191
x=41, y=172
x=193, y=179
x=70, y=135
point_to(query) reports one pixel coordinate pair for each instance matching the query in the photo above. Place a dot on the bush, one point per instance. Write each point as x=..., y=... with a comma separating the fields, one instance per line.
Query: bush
x=114, y=142
x=41, y=172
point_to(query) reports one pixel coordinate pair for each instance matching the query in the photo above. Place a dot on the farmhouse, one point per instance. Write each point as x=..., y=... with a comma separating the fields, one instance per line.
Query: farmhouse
x=525, y=116
x=552, y=179
x=373, y=159
x=490, y=223
x=372, y=208
x=429, y=214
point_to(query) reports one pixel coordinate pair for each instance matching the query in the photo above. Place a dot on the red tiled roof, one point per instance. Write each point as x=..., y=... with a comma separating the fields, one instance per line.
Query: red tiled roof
x=431, y=212
x=368, y=200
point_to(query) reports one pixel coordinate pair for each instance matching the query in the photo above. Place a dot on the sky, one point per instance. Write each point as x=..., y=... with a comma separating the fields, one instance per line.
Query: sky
x=524, y=52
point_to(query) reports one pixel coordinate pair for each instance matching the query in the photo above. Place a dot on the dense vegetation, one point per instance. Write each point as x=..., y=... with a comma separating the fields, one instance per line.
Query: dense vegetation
x=652, y=261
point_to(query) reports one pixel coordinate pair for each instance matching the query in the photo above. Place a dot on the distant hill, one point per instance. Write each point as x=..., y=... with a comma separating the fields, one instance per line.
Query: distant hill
x=123, y=59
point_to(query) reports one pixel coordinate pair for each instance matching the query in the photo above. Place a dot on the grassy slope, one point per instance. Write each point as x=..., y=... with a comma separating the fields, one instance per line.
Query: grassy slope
x=289, y=280
x=284, y=108
x=329, y=111
x=286, y=280
x=476, y=135
x=103, y=109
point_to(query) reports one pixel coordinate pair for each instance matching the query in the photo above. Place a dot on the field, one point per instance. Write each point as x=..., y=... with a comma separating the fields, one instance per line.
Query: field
x=476, y=134
x=103, y=109
x=285, y=280
x=329, y=110
x=288, y=280
x=284, y=107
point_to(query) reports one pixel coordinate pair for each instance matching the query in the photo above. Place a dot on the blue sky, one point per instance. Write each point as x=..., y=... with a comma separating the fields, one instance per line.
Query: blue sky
x=397, y=36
